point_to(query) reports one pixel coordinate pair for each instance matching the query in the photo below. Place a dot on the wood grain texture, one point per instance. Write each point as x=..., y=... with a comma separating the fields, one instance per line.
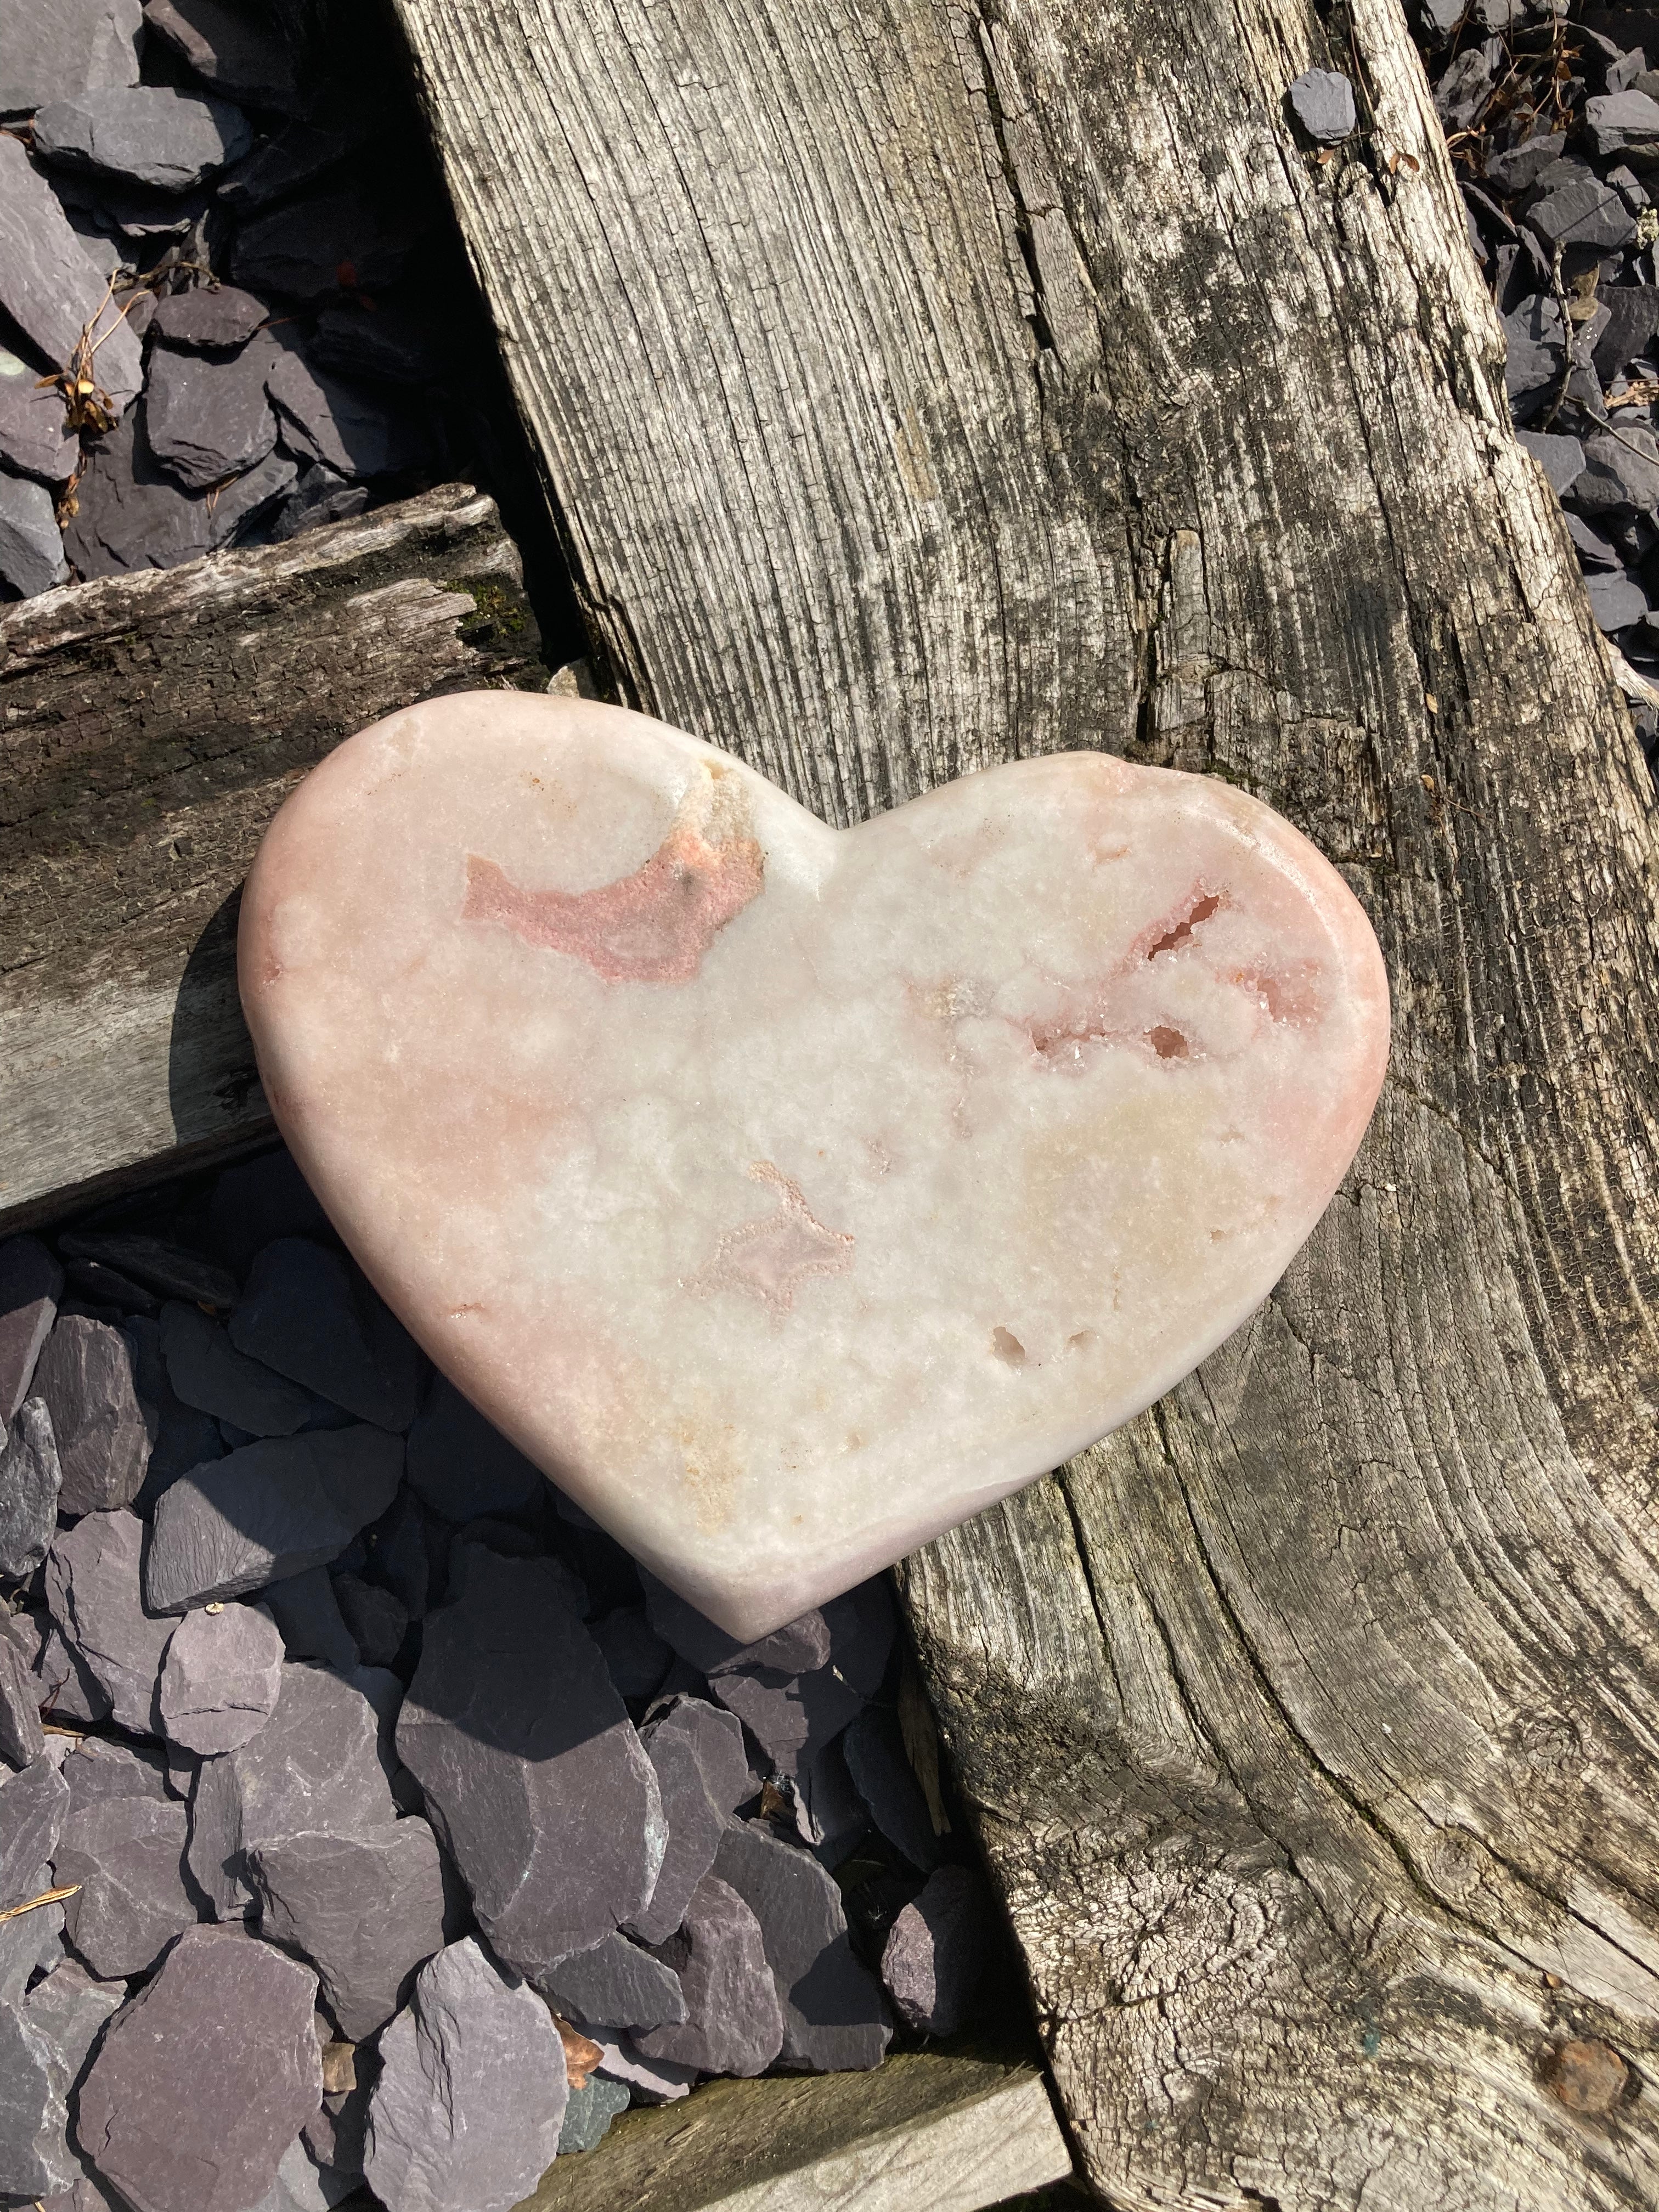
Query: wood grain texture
x=929, y=2132
x=924, y=384
x=150, y=725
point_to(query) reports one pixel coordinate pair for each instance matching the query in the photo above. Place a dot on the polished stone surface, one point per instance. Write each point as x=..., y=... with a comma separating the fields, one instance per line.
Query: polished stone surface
x=790, y=1193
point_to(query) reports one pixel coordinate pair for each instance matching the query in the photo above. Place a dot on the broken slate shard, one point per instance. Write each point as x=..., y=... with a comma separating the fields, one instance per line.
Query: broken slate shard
x=94, y=1590
x=376, y=1620
x=616, y=1982
x=33, y=1805
x=306, y=1312
x=935, y=1953
x=230, y=49
x=1323, y=102
x=35, y=2159
x=54, y=49
x=734, y=2023
x=308, y=1618
x=833, y=2014
x=207, y=1371
x=702, y=1775
x=881, y=1773
x=210, y=419
x=270, y=1509
x=50, y=286
x=132, y=513
x=30, y=1478
x=30, y=1283
x=220, y=1678
x=21, y=1740
x=533, y=1776
x=209, y=319
x=795, y=1649
x=86, y=1376
x=366, y=1910
x=173, y=2134
x=71, y=2007
x=161, y=1267
x=484, y=2144
x=127, y=1857
x=1215, y=988
x=144, y=134
x=459, y=1465
x=31, y=549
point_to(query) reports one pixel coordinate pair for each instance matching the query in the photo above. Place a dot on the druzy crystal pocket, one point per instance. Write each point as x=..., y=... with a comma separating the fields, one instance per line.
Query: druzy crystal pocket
x=788, y=1194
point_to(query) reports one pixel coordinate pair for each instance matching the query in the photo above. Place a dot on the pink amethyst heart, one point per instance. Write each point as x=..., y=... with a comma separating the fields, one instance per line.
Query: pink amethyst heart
x=789, y=1193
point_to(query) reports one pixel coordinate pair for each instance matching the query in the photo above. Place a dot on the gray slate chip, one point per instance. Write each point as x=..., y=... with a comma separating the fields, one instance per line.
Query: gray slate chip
x=934, y=1955
x=1322, y=101
x=181, y=1435
x=636, y=1656
x=797, y=1647
x=94, y=1590
x=617, y=1983
x=220, y=1678
x=144, y=134
x=49, y=285
x=268, y=1510
x=207, y=1371
x=209, y=418
x=390, y=345
x=534, y=1777
x=1620, y=475
x=31, y=549
x=35, y=2159
x=217, y=319
x=21, y=1740
x=697, y=1752
x=794, y=1717
x=316, y=1764
x=30, y=1283
x=86, y=1375
x=99, y=1769
x=1615, y=120
x=230, y=49
x=131, y=513
x=320, y=497
x=366, y=1910
x=30, y=1478
x=461, y=1466
x=243, y=508
x=1584, y=213
x=833, y=2013
x=54, y=49
x=484, y=2144
x=1595, y=551
x=71, y=2007
x=348, y=240
x=308, y=1618
x=1518, y=167
x=376, y=1620
x=128, y=1856
x=69, y=1691
x=1616, y=600
x=588, y=2114
x=32, y=1808
x=734, y=2023
x=34, y=436
x=349, y=427
x=305, y=1312
x=1632, y=318
x=223, y=2127
x=1561, y=459
x=33, y=1942
x=161, y=1267
x=883, y=1777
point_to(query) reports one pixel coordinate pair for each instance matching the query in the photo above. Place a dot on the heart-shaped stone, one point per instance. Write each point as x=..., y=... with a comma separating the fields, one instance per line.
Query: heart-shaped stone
x=789, y=1193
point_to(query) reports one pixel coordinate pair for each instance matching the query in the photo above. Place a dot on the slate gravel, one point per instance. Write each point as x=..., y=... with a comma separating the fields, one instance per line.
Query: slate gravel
x=375, y=1727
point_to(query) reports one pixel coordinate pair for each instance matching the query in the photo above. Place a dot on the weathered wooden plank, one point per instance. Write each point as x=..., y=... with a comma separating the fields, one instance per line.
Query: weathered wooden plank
x=949, y=2134
x=149, y=727
x=925, y=383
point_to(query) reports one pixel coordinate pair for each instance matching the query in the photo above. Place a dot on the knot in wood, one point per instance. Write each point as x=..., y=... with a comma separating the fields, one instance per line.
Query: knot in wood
x=1587, y=2077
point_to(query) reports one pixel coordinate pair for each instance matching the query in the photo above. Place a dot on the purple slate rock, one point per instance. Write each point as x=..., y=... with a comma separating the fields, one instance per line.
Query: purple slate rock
x=1561, y=459
x=144, y=134
x=35, y=2159
x=53, y=49
x=131, y=513
x=319, y=498
x=1615, y=120
x=30, y=1478
x=173, y=2134
x=215, y=319
x=403, y=1545
x=210, y=419
x=1323, y=102
x=31, y=1943
x=834, y=2017
x=390, y=345
x=71, y=2007
x=830, y=1817
x=49, y=284
x=1616, y=601
x=308, y=1314
x=264, y=1198
x=484, y=2144
x=376, y=1621
x=308, y=1618
x=534, y=1777
x=100, y=1770
x=316, y=1763
x=128, y=1856
x=733, y=2022
x=1620, y=475
x=220, y=1678
x=460, y=1465
x=1632, y=318
x=636, y=1656
x=159, y=1266
x=207, y=1371
x=1584, y=213
x=268, y=1510
x=240, y=57
x=792, y=1718
x=94, y=1590
x=32, y=1808
x=795, y=1649
x=245, y=506
x=98, y=1285
x=366, y=1910
x=883, y=1777
x=935, y=1953
x=31, y=551
x=69, y=1691
x=336, y=2136
x=697, y=1752
x=348, y=240
x=617, y=1983
x=34, y=439
x=181, y=1437
x=650, y=2081
x=1519, y=167
x=30, y=1283
x=297, y=155
x=85, y=1374
x=1594, y=550
x=22, y=1741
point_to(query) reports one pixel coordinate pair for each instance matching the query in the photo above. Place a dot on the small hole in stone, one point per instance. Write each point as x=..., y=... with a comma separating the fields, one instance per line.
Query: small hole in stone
x=1172, y=938
x=1167, y=1044
x=1006, y=1345
x=1082, y=1341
